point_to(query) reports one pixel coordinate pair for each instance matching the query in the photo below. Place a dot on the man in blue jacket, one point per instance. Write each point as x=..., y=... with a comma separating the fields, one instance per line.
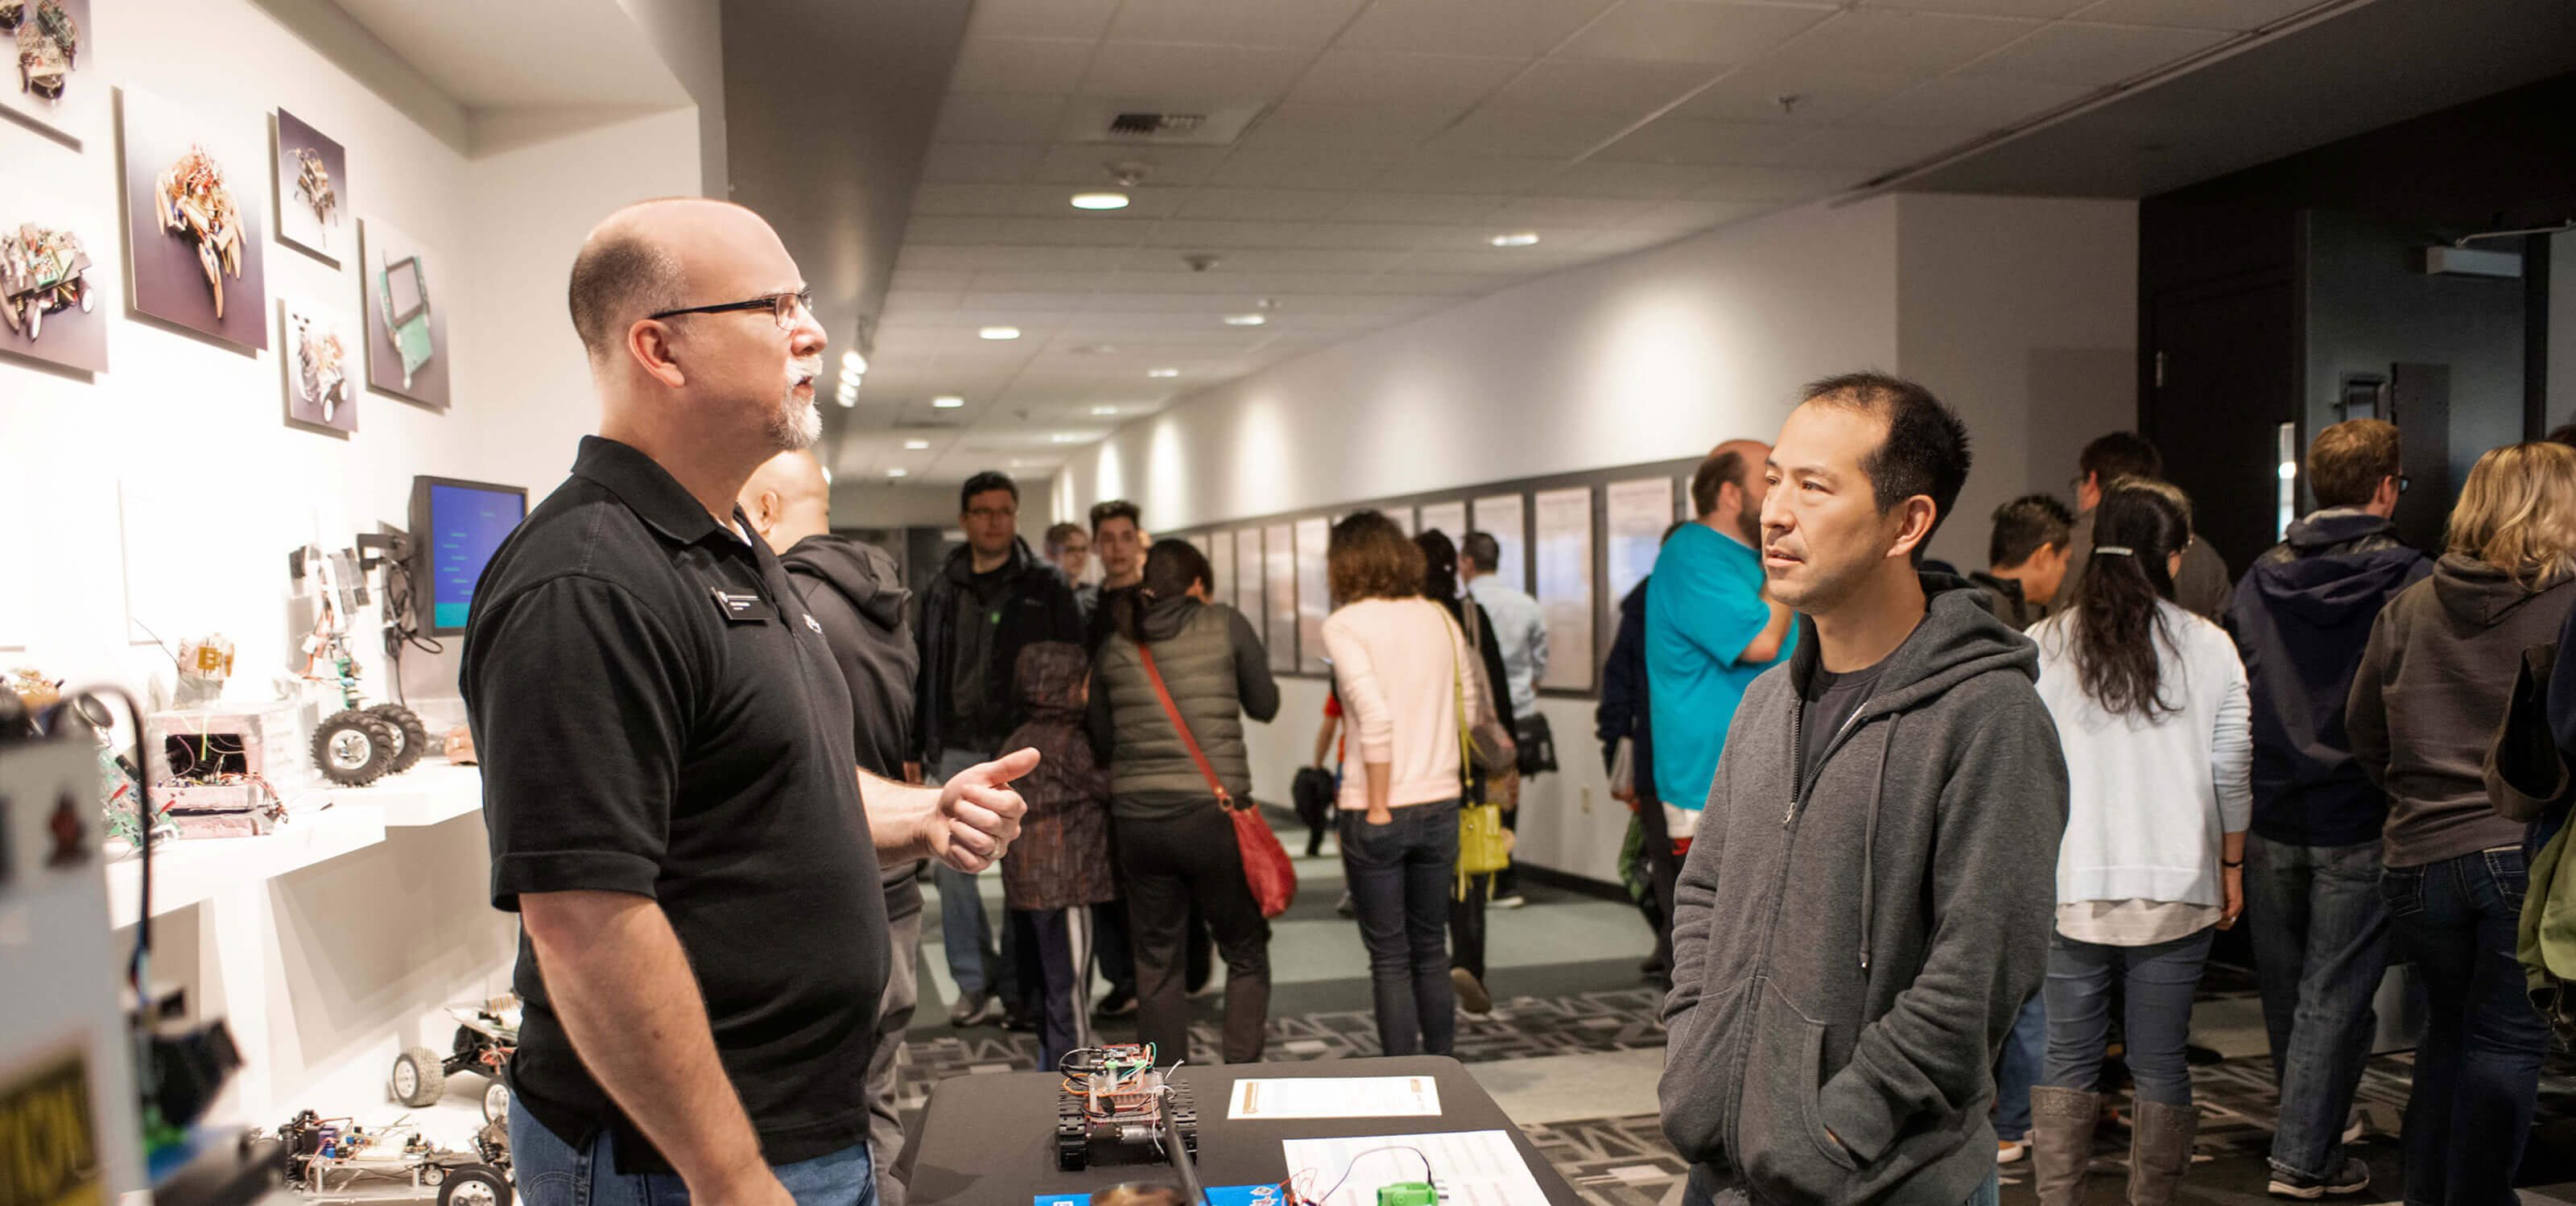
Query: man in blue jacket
x=2301, y=618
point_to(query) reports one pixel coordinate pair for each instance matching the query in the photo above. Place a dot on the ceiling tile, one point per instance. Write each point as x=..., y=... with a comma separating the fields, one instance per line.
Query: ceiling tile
x=1007, y=280
x=1867, y=150
x=1076, y=230
x=1303, y=24
x=1753, y=94
x=1380, y=77
x=1469, y=26
x=956, y=199
x=2070, y=53
x=1351, y=167
x=928, y=279
x=1595, y=85
x=1024, y=65
x=1263, y=204
x=981, y=163
x=1749, y=182
x=1088, y=163
x=2044, y=10
x=1691, y=31
x=1492, y=262
x=1638, y=238
x=1966, y=101
x=1418, y=207
x=1445, y=174
x=1167, y=73
x=2199, y=14
x=1512, y=132
x=1695, y=215
x=1567, y=211
x=997, y=117
x=1310, y=125
x=1040, y=18
x=1625, y=181
x=1675, y=138
x=1889, y=42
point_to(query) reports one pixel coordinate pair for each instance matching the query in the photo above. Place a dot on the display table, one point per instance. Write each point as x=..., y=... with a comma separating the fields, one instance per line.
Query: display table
x=990, y=1140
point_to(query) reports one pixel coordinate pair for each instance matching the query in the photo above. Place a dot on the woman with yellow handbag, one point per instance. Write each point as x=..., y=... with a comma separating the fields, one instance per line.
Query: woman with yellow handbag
x=1484, y=841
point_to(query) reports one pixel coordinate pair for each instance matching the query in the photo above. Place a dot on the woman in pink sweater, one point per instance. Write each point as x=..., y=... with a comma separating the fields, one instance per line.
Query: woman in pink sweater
x=1399, y=665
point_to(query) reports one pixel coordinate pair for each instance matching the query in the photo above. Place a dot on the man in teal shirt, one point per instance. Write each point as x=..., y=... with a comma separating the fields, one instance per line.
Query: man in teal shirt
x=1709, y=630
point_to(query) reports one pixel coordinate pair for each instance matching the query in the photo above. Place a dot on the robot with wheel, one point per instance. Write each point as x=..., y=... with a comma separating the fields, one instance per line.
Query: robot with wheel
x=1115, y=1103
x=335, y=1160
x=358, y=744
x=486, y=1036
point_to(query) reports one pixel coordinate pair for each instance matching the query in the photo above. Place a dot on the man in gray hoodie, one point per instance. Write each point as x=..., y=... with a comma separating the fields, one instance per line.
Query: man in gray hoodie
x=1868, y=903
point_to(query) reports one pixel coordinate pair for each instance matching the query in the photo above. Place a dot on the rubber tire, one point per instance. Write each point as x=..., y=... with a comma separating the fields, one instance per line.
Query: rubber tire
x=496, y=1101
x=470, y=1174
x=410, y=735
x=429, y=1079
x=380, y=748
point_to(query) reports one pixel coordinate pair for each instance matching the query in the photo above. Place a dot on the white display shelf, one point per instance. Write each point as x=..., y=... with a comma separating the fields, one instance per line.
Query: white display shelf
x=190, y=872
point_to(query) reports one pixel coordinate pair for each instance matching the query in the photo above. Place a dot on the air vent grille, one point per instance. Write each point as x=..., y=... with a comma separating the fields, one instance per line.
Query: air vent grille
x=1152, y=125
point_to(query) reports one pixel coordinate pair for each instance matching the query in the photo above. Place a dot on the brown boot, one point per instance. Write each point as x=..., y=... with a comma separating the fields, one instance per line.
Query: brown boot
x=2159, y=1151
x=2061, y=1142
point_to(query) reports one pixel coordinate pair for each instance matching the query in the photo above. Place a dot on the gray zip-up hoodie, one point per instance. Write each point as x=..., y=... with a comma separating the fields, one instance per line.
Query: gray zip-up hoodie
x=1848, y=954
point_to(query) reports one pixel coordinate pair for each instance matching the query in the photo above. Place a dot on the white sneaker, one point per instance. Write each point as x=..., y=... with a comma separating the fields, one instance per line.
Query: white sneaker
x=2011, y=1151
x=1512, y=901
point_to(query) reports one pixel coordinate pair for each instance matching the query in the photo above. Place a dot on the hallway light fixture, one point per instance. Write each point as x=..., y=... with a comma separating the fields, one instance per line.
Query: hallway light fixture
x=847, y=399
x=1245, y=320
x=1518, y=238
x=1066, y=437
x=947, y=402
x=1163, y=372
x=1100, y=200
x=897, y=471
x=916, y=445
x=999, y=333
x=852, y=362
x=1104, y=410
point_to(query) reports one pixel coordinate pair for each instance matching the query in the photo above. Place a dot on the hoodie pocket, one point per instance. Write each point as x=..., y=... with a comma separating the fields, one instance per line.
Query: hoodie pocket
x=1781, y=1146
x=1696, y=1093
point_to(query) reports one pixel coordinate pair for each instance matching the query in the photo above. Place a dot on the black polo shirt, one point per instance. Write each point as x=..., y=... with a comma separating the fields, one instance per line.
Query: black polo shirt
x=657, y=714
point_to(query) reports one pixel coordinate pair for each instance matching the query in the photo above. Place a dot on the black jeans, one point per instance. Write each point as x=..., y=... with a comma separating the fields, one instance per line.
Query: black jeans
x=2477, y=1063
x=1467, y=924
x=1400, y=875
x=1166, y=865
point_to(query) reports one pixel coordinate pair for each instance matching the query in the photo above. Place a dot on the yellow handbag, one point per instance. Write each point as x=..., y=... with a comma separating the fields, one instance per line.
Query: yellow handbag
x=1484, y=846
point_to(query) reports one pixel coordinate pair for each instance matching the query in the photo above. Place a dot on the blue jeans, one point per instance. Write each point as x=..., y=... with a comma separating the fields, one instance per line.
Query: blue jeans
x=1400, y=875
x=551, y=1172
x=1705, y=1188
x=2320, y=934
x=2158, y=979
x=2025, y=1054
x=964, y=930
x=2477, y=1064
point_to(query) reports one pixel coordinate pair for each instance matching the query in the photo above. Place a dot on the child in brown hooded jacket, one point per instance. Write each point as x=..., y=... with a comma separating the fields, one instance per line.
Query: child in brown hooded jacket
x=1059, y=867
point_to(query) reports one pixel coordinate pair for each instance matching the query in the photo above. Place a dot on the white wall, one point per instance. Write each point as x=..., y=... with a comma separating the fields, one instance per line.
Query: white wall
x=172, y=480
x=2019, y=312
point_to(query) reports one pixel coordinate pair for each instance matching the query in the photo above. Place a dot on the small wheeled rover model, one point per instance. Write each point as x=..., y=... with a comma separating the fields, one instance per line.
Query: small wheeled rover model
x=1116, y=1107
x=335, y=1160
x=486, y=1036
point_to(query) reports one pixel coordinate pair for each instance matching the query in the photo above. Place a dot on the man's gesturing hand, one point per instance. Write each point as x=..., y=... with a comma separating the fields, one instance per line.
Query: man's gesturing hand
x=979, y=814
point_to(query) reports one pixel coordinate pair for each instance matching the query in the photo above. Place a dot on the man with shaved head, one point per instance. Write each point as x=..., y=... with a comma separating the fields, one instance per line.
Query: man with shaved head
x=670, y=776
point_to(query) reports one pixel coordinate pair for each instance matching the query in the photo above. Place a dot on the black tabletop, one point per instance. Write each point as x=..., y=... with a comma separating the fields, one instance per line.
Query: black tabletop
x=990, y=1140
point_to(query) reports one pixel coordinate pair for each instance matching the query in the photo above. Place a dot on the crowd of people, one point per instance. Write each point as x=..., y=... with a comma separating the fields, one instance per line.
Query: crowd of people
x=1862, y=993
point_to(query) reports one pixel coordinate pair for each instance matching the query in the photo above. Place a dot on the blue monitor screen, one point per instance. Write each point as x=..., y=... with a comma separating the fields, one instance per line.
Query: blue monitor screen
x=466, y=526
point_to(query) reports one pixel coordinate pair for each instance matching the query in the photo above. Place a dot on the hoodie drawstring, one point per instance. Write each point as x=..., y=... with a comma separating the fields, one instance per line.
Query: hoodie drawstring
x=1869, y=840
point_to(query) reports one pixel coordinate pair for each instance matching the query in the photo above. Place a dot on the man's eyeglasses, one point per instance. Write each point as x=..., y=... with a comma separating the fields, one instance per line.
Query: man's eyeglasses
x=783, y=308
x=2403, y=482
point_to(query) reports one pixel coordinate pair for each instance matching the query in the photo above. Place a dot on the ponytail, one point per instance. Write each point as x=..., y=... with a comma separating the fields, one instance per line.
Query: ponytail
x=2136, y=531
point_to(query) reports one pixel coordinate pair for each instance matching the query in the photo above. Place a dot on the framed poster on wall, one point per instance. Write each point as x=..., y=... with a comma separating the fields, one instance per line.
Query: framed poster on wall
x=1219, y=548
x=1499, y=516
x=193, y=202
x=1279, y=580
x=1314, y=594
x=1448, y=518
x=1564, y=592
x=57, y=86
x=1247, y=575
x=1635, y=514
x=1403, y=517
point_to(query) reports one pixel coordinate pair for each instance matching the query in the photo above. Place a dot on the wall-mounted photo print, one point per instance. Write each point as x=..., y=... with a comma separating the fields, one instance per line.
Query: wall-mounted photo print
x=407, y=350
x=192, y=190
x=56, y=84
x=321, y=366
x=49, y=299
x=312, y=189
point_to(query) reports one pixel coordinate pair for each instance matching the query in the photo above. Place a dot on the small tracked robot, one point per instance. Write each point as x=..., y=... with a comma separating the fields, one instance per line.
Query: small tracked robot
x=1116, y=1103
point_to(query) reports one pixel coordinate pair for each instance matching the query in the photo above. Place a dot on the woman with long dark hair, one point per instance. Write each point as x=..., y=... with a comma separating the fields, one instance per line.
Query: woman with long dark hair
x=2432, y=689
x=1175, y=845
x=1467, y=902
x=2150, y=705
x=1402, y=668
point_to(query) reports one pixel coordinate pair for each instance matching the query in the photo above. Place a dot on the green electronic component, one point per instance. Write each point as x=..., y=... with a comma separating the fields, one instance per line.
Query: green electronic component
x=1408, y=1193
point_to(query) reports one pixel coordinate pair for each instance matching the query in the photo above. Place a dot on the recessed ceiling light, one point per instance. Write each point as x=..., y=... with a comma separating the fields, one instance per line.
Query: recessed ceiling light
x=850, y=378
x=846, y=399
x=854, y=362
x=1518, y=238
x=948, y=402
x=999, y=332
x=1066, y=437
x=897, y=471
x=1244, y=320
x=1163, y=372
x=1101, y=200
x=1104, y=410
x=916, y=445
x=1017, y=462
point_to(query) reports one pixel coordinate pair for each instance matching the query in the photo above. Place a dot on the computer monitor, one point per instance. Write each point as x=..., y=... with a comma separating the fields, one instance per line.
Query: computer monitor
x=456, y=526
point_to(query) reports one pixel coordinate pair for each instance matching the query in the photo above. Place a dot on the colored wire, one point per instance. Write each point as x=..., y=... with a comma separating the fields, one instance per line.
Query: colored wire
x=1347, y=1169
